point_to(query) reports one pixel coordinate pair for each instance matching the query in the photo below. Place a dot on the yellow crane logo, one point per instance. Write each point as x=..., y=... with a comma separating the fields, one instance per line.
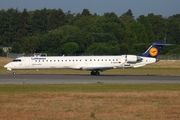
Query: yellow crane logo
x=153, y=51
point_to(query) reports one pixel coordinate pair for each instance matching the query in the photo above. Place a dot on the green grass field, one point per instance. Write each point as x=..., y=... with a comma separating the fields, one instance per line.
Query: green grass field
x=98, y=87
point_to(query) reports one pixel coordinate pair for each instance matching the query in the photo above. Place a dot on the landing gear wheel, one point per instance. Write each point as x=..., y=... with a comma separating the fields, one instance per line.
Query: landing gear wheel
x=95, y=73
x=92, y=72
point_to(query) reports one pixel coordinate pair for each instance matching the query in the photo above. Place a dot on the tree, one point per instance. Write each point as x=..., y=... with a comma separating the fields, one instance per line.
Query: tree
x=174, y=51
x=39, y=21
x=49, y=31
x=128, y=13
x=84, y=22
x=3, y=26
x=11, y=22
x=158, y=24
x=73, y=34
x=57, y=19
x=85, y=12
x=124, y=48
x=102, y=49
x=128, y=37
x=173, y=31
x=111, y=17
x=148, y=28
x=140, y=32
x=139, y=48
x=70, y=48
x=52, y=42
x=23, y=24
x=32, y=44
x=69, y=18
x=16, y=48
x=127, y=19
x=1, y=52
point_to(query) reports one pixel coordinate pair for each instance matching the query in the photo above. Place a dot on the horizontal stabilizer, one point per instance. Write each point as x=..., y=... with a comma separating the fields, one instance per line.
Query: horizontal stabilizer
x=162, y=44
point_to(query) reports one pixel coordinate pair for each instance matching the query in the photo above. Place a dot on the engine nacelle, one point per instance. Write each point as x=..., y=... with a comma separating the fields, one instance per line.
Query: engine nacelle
x=132, y=58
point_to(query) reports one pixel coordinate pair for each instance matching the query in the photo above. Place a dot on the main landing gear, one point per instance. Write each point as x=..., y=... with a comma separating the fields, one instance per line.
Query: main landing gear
x=95, y=73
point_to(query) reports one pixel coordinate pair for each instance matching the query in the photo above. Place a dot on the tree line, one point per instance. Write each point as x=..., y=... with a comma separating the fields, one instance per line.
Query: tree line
x=55, y=32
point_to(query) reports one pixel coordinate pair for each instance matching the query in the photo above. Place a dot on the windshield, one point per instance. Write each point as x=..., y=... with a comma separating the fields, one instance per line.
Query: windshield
x=16, y=60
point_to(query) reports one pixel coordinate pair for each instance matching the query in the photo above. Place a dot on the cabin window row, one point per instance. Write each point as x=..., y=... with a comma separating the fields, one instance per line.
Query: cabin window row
x=76, y=60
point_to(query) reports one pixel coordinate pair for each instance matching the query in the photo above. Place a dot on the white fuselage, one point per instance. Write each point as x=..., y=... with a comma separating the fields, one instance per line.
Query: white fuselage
x=79, y=62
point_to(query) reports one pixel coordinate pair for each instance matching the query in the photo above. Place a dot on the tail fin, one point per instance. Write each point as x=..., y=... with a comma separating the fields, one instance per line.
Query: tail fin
x=154, y=49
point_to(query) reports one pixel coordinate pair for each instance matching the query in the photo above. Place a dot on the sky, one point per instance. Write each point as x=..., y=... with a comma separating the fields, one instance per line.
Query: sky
x=165, y=8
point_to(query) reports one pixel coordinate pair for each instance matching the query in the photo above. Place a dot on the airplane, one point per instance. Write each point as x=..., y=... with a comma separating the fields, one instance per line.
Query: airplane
x=95, y=64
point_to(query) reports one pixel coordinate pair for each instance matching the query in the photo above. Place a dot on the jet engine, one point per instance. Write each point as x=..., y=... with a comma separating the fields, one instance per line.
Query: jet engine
x=132, y=58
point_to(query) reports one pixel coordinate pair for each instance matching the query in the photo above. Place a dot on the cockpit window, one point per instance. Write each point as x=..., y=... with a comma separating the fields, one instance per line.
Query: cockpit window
x=17, y=60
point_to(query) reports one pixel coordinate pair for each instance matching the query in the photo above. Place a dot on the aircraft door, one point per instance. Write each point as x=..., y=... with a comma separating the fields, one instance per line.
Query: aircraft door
x=27, y=62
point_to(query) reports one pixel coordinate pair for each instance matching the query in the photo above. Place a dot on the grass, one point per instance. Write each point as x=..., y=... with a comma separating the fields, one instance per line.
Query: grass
x=99, y=87
x=90, y=101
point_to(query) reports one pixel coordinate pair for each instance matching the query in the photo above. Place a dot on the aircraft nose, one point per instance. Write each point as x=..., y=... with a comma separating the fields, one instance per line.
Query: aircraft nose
x=7, y=66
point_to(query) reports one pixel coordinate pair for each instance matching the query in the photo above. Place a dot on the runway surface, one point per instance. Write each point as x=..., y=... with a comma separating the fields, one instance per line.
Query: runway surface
x=69, y=78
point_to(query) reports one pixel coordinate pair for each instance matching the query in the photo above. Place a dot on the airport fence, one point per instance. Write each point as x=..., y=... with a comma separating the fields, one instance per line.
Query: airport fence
x=14, y=55
x=168, y=57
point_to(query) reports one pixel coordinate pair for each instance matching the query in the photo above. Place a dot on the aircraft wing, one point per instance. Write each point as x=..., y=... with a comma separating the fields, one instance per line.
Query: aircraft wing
x=100, y=68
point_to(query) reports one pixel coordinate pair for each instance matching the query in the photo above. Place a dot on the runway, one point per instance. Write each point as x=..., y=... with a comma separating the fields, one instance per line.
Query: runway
x=74, y=79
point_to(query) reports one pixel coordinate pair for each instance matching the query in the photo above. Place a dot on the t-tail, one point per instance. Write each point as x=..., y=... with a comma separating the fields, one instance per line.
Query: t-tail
x=154, y=49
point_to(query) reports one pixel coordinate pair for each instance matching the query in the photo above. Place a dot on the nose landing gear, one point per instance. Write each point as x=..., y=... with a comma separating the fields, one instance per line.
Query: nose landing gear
x=14, y=72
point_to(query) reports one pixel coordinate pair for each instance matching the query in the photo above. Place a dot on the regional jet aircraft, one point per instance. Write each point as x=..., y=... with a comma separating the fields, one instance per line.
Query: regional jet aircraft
x=90, y=63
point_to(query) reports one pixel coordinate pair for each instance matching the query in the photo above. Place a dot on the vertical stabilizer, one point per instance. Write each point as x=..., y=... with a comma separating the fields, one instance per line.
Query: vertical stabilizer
x=154, y=49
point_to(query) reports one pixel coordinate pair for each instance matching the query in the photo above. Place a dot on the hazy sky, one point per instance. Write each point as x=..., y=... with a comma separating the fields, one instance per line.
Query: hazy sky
x=138, y=7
